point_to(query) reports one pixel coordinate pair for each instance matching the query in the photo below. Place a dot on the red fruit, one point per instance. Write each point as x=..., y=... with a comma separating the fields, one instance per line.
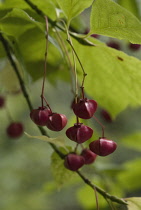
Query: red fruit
x=15, y=130
x=56, y=122
x=79, y=133
x=40, y=116
x=85, y=108
x=89, y=156
x=134, y=47
x=103, y=147
x=2, y=101
x=95, y=36
x=106, y=116
x=73, y=162
x=114, y=45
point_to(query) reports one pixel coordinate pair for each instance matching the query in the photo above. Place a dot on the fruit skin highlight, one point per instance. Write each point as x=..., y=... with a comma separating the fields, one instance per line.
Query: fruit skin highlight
x=73, y=161
x=15, y=130
x=103, y=146
x=85, y=108
x=79, y=133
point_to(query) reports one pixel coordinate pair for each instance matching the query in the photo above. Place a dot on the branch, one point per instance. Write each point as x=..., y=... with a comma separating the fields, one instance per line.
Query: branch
x=42, y=130
x=23, y=88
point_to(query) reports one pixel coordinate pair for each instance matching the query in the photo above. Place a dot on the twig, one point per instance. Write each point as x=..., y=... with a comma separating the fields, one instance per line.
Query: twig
x=101, y=191
x=23, y=88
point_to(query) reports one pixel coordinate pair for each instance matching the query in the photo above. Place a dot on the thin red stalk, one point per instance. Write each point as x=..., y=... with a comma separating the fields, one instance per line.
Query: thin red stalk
x=96, y=197
x=84, y=73
x=102, y=126
x=45, y=64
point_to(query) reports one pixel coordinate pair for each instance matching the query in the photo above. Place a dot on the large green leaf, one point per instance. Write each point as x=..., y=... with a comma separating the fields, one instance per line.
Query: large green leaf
x=130, y=5
x=60, y=173
x=113, y=78
x=134, y=203
x=73, y=8
x=110, y=19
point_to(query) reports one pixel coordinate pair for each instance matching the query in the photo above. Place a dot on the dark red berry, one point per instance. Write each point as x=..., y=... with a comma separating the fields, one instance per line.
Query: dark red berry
x=95, y=36
x=15, y=130
x=40, y=116
x=134, y=47
x=56, y=122
x=114, y=45
x=79, y=133
x=103, y=147
x=2, y=101
x=73, y=162
x=85, y=108
x=89, y=156
x=106, y=116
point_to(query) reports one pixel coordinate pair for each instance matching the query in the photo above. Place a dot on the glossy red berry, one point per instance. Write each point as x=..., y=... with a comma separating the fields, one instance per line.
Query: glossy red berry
x=15, y=130
x=73, y=162
x=85, y=108
x=2, y=101
x=103, y=147
x=40, y=116
x=79, y=133
x=106, y=116
x=56, y=122
x=114, y=45
x=134, y=47
x=89, y=156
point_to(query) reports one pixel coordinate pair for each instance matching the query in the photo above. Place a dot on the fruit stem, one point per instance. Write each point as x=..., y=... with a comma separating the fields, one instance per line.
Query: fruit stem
x=102, y=126
x=96, y=197
x=75, y=150
x=84, y=73
x=45, y=64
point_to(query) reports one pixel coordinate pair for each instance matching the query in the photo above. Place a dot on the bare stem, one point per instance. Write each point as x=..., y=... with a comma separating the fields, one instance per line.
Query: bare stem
x=96, y=197
x=84, y=73
x=102, y=126
x=45, y=64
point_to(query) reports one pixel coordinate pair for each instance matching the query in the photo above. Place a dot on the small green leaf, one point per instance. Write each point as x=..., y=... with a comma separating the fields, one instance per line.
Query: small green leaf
x=110, y=19
x=134, y=203
x=60, y=173
x=59, y=141
x=72, y=8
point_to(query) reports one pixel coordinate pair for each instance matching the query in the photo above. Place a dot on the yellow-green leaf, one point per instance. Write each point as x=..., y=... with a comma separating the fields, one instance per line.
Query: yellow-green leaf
x=59, y=141
x=134, y=203
x=110, y=19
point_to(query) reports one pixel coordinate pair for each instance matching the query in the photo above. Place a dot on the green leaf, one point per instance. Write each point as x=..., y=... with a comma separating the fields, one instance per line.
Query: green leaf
x=133, y=141
x=113, y=78
x=59, y=141
x=60, y=173
x=73, y=8
x=130, y=5
x=12, y=22
x=134, y=203
x=110, y=19
x=129, y=178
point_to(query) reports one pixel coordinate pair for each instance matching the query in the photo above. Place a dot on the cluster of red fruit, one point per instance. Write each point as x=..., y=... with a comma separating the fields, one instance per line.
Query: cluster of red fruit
x=14, y=129
x=85, y=109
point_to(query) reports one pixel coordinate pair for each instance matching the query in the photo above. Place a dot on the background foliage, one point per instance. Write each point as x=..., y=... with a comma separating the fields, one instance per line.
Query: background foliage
x=32, y=176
